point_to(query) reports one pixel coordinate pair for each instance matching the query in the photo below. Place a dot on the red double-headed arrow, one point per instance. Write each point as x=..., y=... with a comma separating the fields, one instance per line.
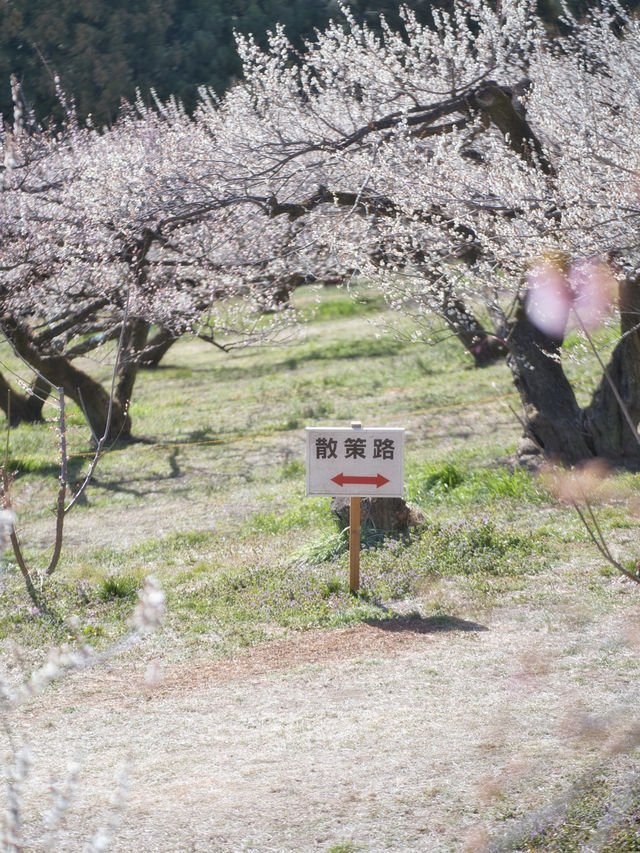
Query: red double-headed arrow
x=344, y=480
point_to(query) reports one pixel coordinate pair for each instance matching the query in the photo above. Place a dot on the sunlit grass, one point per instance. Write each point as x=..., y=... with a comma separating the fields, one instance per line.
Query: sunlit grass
x=433, y=483
x=212, y=499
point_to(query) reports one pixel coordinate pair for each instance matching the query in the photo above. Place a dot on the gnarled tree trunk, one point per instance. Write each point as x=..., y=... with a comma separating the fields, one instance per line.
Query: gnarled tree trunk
x=612, y=435
x=80, y=387
x=383, y=515
x=133, y=342
x=485, y=348
x=156, y=348
x=23, y=408
x=555, y=426
x=552, y=418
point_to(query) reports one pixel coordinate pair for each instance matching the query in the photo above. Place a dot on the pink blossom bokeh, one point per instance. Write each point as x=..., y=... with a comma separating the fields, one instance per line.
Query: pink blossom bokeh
x=587, y=289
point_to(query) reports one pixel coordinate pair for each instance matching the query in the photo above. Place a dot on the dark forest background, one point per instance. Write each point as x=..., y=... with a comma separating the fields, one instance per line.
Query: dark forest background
x=103, y=50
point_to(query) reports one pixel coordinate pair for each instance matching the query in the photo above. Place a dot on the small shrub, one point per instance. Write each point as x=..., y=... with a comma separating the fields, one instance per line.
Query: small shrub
x=470, y=548
x=432, y=482
x=332, y=586
x=324, y=549
x=318, y=409
x=118, y=586
x=448, y=482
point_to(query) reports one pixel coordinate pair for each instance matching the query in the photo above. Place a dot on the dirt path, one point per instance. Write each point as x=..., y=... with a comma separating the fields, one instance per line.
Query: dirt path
x=413, y=739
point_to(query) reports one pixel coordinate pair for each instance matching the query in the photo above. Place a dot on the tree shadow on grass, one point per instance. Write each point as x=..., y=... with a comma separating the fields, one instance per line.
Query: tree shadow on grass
x=229, y=371
x=120, y=485
x=206, y=435
x=425, y=624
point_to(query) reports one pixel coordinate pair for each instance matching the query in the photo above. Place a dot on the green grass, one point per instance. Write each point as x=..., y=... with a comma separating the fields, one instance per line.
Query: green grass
x=118, y=586
x=431, y=483
x=336, y=304
x=212, y=500
x=305, y=513
x=102, y=608
x=307, y=590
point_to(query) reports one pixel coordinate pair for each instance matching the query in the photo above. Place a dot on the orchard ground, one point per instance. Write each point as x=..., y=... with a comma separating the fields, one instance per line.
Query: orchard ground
x=479, y=693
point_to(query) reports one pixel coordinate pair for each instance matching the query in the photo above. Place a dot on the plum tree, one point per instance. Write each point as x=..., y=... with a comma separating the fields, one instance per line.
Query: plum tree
x=478, y=166
x=479, y=170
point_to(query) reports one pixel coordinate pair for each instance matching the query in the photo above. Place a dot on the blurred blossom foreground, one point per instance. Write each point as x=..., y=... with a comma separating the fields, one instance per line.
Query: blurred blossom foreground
x=7, y=521
x=587, y=287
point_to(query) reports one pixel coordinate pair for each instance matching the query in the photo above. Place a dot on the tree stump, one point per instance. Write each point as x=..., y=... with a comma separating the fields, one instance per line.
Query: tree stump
x=384, y=515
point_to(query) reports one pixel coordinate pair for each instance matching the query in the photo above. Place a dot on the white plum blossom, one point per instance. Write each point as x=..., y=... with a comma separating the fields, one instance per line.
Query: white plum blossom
x=447, y=164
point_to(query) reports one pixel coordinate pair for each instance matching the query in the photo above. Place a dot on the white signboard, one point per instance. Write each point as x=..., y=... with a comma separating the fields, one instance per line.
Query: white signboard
x=357, y=462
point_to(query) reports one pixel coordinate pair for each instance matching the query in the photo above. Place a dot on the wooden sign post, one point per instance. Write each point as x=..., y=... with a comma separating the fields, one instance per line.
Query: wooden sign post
x=358, y=463
x=354, y=545
x=354, y=535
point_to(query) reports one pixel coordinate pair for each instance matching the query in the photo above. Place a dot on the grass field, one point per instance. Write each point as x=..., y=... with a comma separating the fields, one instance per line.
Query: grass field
x=213, y=497
x=211, y=501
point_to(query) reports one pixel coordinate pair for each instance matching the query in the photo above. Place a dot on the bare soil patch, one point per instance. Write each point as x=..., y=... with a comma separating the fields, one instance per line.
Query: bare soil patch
x=421, y=736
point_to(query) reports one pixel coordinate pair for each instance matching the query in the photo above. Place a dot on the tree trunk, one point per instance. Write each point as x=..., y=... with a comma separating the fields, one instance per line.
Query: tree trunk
x=555, y=427
x=486, y=349
x=552, y=420
x=25, y=408
x=133, y=342
x=80, y=387
x=156, y=348
x=612, y=435
x=383, y=515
